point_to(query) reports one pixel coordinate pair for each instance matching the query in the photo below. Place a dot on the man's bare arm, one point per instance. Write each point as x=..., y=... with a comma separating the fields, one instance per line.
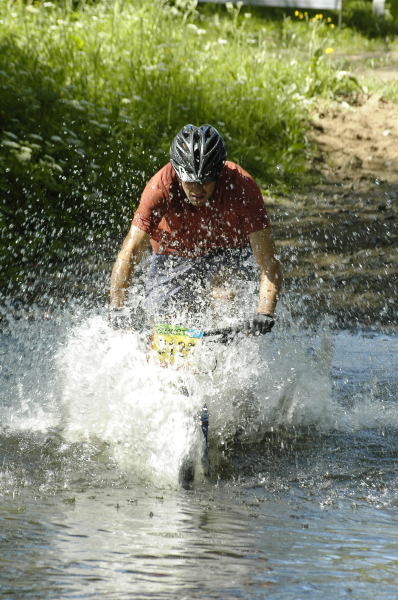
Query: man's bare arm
x=128, y=258
x=270, y=270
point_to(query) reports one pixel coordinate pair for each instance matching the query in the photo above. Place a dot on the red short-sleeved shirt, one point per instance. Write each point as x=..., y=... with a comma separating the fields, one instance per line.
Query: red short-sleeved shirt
x=175, y=226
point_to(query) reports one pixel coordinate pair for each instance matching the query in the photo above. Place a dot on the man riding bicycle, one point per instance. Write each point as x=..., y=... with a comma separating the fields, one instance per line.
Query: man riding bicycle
x=204, y=216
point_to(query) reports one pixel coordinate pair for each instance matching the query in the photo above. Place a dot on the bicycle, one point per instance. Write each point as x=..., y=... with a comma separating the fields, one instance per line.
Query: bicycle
x=172, y=345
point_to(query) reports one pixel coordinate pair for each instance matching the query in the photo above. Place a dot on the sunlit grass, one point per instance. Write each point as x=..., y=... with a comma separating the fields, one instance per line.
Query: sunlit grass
x=155, y=69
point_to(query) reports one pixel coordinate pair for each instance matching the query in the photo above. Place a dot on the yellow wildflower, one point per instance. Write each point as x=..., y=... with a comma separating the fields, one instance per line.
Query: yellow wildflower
x=329, y=50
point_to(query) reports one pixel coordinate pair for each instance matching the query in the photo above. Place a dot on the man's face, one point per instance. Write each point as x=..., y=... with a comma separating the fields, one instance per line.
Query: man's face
x=198, y=193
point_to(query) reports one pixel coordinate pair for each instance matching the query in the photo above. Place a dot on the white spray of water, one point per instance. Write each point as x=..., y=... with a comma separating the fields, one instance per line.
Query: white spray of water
x=28, y=399
x=114, y=393
x=148, y=414
x=93, y=383
x=368, y=366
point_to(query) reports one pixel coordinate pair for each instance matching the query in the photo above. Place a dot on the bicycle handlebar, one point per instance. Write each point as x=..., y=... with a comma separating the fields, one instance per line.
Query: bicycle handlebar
x=224, y=331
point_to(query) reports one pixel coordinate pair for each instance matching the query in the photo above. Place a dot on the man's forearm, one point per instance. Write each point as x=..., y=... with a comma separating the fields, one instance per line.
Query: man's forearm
x=128, y=258
x=270, y=270
x=120, y=280
x=270, y=286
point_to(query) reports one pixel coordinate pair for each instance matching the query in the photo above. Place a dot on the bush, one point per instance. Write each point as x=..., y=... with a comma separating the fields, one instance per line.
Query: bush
x=358, y=15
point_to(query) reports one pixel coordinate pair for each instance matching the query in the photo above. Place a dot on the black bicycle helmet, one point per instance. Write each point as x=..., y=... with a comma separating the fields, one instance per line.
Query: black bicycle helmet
x=198, y=153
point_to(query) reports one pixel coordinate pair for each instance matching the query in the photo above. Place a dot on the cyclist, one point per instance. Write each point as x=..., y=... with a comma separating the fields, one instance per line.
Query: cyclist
x=203, y=216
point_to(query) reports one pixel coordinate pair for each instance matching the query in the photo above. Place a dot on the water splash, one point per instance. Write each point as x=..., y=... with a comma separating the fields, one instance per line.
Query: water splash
x=96, y=403
x=148, y=415
x=113, y=392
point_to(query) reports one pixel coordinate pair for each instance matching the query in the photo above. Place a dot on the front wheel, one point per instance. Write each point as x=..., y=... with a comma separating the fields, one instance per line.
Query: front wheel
x=190, y=463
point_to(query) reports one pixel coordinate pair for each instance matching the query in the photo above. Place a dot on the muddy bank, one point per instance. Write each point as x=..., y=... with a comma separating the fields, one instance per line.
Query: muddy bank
x=356, y=143
x=338, y=249
x=338, y=240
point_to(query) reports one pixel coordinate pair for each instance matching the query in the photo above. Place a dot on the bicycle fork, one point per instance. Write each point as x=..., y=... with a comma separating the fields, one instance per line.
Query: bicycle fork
x=204, y=423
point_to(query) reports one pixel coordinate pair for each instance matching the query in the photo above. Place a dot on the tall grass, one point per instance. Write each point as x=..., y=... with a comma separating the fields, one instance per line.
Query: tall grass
x=91, y=97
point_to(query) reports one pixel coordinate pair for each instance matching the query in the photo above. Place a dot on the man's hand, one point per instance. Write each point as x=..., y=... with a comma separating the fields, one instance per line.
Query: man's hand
x=260, y=324
x=120, y=318
x=133, y=319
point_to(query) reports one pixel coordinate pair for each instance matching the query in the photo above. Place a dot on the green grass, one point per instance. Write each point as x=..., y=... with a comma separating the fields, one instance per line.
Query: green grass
x=90, y=98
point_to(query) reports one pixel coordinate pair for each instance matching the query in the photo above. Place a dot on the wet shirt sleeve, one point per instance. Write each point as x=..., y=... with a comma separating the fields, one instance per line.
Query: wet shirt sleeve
x=152, y=206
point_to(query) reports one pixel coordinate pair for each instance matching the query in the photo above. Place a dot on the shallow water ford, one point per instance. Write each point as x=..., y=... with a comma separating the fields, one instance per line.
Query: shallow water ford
x=303, y=494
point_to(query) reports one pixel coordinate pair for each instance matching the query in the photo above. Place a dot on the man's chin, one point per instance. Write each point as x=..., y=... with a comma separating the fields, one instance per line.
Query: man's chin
x=198, y=201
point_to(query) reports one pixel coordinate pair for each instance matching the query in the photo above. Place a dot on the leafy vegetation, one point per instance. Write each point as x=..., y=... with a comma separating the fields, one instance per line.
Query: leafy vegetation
x=92, y=93
x=359, y=16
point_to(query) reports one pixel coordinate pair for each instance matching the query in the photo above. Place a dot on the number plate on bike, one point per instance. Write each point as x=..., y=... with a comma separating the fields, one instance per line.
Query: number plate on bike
x=173, y=343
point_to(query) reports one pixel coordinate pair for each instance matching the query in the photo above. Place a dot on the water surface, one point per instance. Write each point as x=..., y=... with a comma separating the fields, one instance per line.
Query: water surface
x=301, y=502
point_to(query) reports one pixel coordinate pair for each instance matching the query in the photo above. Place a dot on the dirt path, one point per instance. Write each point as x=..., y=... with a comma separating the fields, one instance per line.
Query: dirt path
x=338, y=241
x=357, y=144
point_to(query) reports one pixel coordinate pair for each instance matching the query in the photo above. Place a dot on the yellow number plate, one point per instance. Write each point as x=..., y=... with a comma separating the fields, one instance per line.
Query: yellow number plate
x=171, y=347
